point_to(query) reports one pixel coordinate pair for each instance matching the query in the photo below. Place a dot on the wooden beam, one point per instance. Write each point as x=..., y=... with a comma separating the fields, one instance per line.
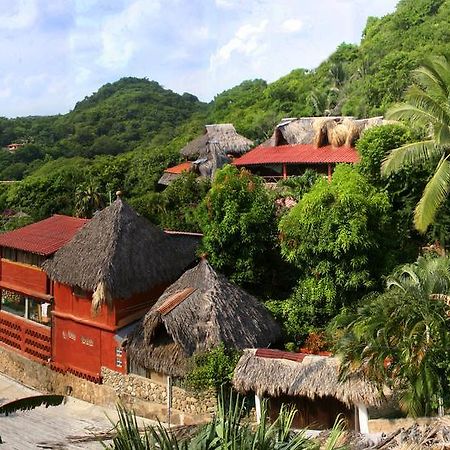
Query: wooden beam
x=329, y=173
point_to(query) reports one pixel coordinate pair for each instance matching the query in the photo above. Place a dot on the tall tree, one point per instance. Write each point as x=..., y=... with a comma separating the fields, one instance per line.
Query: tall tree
x=427, y=105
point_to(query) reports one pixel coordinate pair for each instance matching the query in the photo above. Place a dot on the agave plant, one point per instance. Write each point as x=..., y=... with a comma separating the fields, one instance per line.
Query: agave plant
x=226, y=431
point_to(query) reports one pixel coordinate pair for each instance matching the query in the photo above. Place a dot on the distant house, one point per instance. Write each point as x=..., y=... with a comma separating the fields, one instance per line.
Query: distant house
x=219, y=144
x=317, y=143
x=310, y=383
x=14, y=147
x=172, y=173
x=196, y=313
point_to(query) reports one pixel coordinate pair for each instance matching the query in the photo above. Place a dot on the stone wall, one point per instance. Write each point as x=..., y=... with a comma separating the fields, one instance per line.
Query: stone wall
x=145, y=389
x=145, y=397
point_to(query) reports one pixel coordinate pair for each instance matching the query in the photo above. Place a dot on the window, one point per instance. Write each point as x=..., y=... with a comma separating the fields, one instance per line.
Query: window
x=26, y=307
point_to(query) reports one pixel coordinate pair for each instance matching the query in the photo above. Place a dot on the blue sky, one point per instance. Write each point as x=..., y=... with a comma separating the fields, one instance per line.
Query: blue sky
x=55, y=52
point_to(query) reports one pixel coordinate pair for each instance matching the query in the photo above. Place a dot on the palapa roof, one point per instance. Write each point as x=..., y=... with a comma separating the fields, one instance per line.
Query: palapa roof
x=274, y=372
x=118, y=254
x=298, y=154
x=222, y=136
x=44, y=237
x=321, y=131
x=196, y=313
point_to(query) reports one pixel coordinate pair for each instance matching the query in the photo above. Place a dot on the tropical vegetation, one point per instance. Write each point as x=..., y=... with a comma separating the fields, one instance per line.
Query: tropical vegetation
x=227, y=430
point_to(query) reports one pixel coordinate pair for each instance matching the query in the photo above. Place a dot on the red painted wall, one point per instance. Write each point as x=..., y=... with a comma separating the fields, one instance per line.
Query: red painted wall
x=29, y=277
x=83, y=343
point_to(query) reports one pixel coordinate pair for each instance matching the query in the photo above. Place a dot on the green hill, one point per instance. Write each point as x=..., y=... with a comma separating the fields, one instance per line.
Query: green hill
x=141, y=119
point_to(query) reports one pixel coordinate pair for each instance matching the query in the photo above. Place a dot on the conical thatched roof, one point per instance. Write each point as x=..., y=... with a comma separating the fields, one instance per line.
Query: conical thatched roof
x=315, y=376
x=321, y=131
x=222, y=137
x=118, y=254
x=198, y=312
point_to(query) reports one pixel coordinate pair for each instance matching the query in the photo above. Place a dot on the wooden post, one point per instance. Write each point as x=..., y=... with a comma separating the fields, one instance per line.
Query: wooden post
x=258, y=408
x=284, y=171
x=169, y=397
x=363, y=418
x=329, y=173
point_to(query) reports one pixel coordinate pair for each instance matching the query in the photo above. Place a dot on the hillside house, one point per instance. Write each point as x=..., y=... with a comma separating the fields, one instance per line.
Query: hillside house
x=219, y=145
x=317, y=143
x=26, y=291
x=72, y=292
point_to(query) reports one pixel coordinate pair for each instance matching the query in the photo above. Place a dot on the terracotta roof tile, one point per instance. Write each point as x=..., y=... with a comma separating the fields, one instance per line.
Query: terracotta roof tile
x=279, y=354
x=298, y=154
x=44, y=237
x=180, y=168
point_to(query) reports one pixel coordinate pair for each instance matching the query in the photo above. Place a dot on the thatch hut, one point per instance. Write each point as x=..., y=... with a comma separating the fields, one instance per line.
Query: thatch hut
x=118, y=254
x=196, y=313
x=109, y=275
x=321, y=131
x=309, y=382
x=317, y=143
x=222, y=136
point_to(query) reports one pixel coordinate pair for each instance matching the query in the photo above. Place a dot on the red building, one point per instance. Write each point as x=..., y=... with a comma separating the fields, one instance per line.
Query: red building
x=97, y=282
x=274, y=163
x=25, y=289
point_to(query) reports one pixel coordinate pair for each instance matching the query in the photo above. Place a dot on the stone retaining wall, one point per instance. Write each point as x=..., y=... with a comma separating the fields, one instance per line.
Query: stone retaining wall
x=145, y=389
x=145, y=397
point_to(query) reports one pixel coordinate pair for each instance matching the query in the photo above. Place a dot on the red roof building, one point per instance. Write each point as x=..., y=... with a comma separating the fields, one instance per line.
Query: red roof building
x=285, y=160
x=172, y=173
x=26, y=292
x=45, y=237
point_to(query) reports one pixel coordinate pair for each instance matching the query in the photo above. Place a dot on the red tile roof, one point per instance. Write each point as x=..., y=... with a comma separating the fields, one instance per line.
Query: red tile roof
x=279, y=354
x=183, y=167
x=44, y=237
x=298, y=154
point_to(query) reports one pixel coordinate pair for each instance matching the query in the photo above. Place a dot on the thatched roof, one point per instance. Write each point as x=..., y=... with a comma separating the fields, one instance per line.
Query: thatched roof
x=315, y=376
x=118, y=254
x=221, y=137
x=196, y=313
x=321, y=131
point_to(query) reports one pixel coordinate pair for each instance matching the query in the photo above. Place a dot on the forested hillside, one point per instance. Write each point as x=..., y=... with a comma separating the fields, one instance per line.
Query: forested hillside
x=145, y=125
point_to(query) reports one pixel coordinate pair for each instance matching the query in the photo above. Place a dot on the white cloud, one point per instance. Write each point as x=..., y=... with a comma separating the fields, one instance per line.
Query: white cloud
x=292, y=25
x=227, y=4
x=20, y=16
x=245, y=41
x=122, y=32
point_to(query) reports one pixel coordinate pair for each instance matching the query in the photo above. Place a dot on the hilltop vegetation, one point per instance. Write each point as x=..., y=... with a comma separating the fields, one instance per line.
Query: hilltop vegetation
x=136, y=114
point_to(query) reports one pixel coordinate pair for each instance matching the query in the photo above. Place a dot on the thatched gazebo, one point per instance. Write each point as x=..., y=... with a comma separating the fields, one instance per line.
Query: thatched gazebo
x=222, y=136
x=310, y=382
x=198, y=312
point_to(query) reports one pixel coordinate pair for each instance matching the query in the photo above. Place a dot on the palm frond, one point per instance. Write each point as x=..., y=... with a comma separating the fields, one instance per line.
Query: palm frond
x=434, y=194
x=27, y=403
x=434, y=75
x=414, y=153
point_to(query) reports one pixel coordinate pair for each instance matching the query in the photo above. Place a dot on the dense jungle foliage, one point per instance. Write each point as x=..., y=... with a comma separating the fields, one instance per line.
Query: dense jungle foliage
x=328, y=255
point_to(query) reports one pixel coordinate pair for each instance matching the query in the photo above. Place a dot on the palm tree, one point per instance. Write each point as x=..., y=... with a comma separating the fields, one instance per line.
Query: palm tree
x=88, y=200
x=400, y=337
x=427, y=105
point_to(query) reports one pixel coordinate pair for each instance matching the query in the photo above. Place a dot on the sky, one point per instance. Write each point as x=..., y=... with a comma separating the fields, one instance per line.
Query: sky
x=56, y=52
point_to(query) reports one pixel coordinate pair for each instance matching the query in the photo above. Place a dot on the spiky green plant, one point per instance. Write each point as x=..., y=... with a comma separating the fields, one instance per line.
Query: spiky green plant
x=226, y=431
